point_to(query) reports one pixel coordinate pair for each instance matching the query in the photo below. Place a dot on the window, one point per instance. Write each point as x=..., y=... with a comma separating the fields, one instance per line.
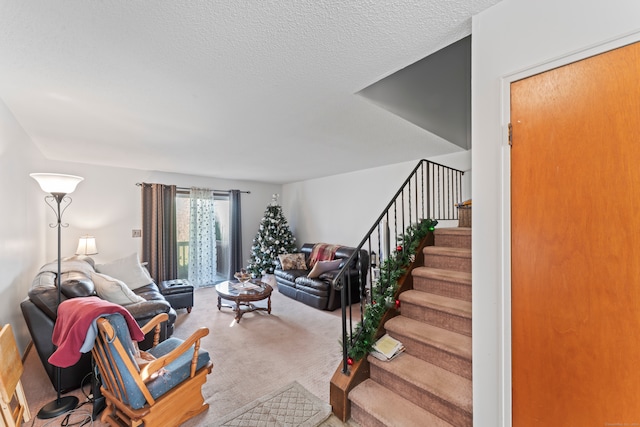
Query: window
x=222, y=230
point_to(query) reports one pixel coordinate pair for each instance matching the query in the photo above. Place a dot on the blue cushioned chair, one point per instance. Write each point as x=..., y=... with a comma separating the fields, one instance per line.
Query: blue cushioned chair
x=165, y=392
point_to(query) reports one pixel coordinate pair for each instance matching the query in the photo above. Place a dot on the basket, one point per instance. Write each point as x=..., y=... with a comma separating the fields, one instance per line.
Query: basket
x=464, y=216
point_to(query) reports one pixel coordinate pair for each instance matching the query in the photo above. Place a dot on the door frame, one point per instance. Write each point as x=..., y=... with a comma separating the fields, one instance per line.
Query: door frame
x=504, y=356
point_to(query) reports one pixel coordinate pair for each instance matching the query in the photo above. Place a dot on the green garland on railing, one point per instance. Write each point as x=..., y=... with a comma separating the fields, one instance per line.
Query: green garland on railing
x=383, y=291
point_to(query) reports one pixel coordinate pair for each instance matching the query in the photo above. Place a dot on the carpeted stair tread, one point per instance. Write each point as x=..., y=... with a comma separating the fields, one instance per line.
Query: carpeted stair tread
x=459, y=237
x=449, y=283
x=390, y=409
x=460, y=231
x=451, y=342
x=448, y=258
x=437, y=302
x=445, y=385
x=463, y=277
x=446, y=251
x=443, y=311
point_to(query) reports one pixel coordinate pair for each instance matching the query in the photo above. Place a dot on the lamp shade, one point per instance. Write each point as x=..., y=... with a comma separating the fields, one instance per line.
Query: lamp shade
x=87, y=246
x=56, y=182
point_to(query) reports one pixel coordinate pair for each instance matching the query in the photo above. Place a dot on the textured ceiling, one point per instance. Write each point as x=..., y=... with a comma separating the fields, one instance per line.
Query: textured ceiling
x=239, y=89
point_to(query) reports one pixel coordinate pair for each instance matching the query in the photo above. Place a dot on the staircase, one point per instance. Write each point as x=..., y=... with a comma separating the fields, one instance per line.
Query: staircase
x=430, y=383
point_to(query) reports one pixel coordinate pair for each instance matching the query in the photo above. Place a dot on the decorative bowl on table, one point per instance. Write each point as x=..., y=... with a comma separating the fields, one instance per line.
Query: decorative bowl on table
x=242, y=276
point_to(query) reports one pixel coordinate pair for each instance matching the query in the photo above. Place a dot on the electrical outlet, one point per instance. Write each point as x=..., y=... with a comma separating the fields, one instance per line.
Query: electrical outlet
x=136, y=233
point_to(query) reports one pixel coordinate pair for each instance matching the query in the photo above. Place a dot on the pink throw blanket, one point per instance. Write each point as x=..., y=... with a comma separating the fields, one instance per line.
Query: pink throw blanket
x=75, y=315
x=322, y=252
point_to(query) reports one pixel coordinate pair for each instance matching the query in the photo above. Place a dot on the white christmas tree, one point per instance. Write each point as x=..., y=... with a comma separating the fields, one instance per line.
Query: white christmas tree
x=273, y=238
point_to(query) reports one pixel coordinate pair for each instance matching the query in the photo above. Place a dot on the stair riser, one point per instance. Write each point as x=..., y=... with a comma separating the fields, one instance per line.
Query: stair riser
x=422, y=398
x=456, y=290
x=447, y=262
x=453, y=241
x=363, y=418
x=459, y=324
x=436, y=356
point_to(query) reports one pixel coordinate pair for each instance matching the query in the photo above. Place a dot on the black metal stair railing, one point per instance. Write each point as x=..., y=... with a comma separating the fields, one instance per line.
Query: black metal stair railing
x=430, y=192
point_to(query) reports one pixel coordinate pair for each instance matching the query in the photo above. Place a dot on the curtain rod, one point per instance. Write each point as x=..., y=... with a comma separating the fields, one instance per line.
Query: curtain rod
x=140, y=184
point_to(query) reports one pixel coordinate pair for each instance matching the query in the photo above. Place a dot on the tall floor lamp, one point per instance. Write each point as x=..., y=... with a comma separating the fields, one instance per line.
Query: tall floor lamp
x=58, y=186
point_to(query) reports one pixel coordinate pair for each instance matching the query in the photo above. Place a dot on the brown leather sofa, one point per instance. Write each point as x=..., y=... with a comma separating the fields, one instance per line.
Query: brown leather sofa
x=39, y=311
x=318, y=292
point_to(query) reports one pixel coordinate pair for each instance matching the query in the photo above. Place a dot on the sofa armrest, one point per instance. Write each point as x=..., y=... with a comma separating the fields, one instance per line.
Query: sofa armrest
x=352, y=278
x=329, y=276
x=147, y=310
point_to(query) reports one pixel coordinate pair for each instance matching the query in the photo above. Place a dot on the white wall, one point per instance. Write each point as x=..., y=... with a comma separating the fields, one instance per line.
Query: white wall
x=513, y=36
x=20, y=249
x=340, y=209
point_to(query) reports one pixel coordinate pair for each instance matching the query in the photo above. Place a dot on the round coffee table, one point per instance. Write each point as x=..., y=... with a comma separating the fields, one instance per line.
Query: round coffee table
x=243, y=296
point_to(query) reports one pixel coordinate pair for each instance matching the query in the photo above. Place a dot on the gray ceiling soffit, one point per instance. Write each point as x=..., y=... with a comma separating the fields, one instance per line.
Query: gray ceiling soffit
x=433, y=93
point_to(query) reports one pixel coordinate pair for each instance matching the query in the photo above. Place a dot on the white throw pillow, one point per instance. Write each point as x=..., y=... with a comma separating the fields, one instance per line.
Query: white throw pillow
x=113, y=290
x=324, y=266
x=127, y=269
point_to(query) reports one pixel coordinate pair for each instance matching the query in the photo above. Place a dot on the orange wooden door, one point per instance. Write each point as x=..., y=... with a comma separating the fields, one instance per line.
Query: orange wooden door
x=575, y=194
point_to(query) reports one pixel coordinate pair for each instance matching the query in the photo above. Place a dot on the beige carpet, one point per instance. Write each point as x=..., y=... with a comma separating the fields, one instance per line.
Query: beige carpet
x=258, y=356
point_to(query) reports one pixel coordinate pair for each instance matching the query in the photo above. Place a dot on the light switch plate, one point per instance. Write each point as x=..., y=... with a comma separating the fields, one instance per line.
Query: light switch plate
x=136, y=233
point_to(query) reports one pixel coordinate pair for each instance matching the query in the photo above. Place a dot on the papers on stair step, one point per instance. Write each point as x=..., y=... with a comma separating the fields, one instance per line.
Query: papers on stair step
x=386, y=348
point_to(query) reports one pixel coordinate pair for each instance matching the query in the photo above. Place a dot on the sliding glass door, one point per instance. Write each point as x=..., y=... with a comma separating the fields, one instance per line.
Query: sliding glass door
x=222, y=232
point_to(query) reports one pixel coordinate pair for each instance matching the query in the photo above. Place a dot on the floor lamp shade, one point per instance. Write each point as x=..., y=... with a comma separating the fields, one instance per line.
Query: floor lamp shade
x=87, y=246
x=58, y=185
x=55, y=183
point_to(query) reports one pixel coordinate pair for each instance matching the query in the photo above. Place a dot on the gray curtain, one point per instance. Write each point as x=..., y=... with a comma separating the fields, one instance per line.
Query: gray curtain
x=159, y=247
x=235, y=245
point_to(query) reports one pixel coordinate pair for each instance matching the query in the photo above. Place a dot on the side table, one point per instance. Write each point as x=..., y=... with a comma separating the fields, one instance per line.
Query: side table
x=178, y=292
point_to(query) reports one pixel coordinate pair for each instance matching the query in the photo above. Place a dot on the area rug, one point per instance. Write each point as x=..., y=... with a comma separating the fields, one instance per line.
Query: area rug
x=291, y=406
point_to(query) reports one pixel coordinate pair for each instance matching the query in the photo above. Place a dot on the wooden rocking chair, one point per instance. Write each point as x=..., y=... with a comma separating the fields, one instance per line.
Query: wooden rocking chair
x=165, y=392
